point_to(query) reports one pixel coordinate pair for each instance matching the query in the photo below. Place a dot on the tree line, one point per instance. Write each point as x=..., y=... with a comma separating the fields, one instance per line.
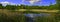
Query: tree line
x=13, y=7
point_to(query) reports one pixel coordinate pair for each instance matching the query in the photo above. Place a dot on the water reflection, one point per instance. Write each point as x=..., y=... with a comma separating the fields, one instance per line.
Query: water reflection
x=34, y=15
x=31, y=16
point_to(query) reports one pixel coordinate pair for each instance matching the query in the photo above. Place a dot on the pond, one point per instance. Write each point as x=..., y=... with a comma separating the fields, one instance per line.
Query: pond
x=34, y=15
x=31, y=16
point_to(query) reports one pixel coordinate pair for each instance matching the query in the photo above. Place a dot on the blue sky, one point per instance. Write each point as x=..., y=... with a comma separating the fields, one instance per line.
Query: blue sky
x=43, y=2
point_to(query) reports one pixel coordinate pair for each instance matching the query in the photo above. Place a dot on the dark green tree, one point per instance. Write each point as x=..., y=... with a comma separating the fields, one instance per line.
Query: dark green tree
x=0, y=6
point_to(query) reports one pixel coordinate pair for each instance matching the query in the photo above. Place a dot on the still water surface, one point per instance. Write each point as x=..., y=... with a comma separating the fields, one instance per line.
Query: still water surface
x=32, y=15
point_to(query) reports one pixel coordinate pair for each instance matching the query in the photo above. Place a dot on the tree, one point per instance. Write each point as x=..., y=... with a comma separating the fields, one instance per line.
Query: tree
x=0, y=6
x=11, y=7
x=58, y=3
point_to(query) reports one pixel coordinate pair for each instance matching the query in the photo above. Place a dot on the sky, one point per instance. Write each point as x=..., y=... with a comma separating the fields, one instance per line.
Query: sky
x=42, y=2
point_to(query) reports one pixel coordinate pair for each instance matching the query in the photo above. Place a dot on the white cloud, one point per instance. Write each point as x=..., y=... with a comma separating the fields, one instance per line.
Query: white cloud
x=7, y=3
x=33, y=1
x=4, y=2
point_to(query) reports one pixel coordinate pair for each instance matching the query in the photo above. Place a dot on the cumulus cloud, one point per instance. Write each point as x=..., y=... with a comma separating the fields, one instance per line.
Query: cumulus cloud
x=4, y=2
x=7, y=3
x=33, y=1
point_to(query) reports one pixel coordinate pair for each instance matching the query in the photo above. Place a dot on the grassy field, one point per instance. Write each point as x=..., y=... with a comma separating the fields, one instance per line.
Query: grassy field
x=38, y=10
x=33, y=10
